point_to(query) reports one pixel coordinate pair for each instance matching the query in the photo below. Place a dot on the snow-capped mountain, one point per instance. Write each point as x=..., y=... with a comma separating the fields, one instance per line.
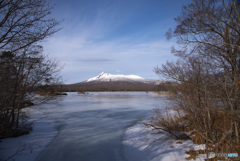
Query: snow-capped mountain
x=110, y=82
x=105, y=77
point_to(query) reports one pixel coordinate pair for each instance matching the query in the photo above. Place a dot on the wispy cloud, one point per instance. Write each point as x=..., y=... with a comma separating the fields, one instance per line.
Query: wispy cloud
x=112, y=57
x=94, y=60
x=113, y=36
x=119, y=71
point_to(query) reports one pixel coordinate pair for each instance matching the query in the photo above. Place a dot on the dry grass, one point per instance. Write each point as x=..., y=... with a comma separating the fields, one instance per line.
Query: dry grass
x=178, y=142
x=219, y=136
x=194, y=154
x=166, y=94
x=169, y=123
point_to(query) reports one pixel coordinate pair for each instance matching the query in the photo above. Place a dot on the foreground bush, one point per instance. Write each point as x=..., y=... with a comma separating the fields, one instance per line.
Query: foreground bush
x=171, y=124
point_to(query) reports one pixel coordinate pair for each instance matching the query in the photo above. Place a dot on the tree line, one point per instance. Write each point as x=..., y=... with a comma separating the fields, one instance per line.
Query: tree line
x=109, y=86
x=25, y=70
x=206, y=76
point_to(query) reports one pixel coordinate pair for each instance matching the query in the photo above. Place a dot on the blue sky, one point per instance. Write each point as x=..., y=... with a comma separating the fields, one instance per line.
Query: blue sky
x=114, y=36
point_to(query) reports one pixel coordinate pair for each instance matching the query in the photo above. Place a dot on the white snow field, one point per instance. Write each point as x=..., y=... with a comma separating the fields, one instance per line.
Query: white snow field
x=94, y=127
x=143, y=144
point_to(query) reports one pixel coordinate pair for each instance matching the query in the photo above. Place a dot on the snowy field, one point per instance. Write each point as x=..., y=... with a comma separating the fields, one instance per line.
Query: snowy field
x=98, y=126
x=143, y=144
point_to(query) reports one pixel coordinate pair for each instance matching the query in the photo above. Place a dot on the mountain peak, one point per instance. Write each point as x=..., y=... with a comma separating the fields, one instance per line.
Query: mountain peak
x=103, y=74
x=105, y=77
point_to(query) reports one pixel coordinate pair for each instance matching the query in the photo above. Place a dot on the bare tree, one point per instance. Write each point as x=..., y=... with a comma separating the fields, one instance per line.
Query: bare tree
x=202, y=102
x=208, y=71
x=24, y=70
x=23, y=75
x=24, y=22
x=210, y=28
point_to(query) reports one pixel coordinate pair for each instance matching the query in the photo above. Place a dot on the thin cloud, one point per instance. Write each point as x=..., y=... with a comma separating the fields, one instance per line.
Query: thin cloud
x=119, y=71
x=112, y=36
x=95, y=60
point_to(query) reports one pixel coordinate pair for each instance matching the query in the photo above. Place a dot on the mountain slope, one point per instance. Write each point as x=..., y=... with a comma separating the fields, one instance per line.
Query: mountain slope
x=105, y=77
x=109, y=82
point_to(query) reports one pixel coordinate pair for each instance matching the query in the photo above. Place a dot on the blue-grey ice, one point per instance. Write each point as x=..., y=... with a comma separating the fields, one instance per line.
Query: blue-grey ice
x=91, y=127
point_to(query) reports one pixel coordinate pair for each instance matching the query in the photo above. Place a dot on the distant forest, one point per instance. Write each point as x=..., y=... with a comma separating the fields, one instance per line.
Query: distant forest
x=109, y=86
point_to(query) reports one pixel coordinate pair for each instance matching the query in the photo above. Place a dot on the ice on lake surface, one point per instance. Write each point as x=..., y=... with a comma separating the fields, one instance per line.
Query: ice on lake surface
x=82, y=126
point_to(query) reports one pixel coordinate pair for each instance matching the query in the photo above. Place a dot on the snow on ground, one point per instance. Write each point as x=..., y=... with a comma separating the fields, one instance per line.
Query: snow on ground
x=27, y=147
x=143, y=144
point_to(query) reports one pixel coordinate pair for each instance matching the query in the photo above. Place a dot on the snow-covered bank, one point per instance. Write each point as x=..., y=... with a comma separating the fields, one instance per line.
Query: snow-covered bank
x=28, y=147
x=143, y=144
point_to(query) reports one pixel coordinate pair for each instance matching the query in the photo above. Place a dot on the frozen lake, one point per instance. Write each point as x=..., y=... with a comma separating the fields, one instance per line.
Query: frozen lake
x=91, y=126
